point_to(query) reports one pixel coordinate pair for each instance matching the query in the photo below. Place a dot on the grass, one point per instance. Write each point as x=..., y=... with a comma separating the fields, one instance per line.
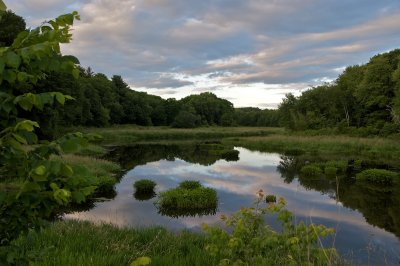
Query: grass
x=187, y=199
x=189, y=184
x=84, y=243
x=128, y=134
x=97, y=167
x=374, y=149
x=311, y=170
x=378, y=176
x=144, y=186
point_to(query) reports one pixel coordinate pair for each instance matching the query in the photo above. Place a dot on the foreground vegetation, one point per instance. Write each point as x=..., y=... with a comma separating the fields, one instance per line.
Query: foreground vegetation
x=247, y=242
x=83, y=243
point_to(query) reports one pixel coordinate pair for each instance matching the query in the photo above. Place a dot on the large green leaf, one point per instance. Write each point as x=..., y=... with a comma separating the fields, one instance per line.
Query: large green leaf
x=60, y=98
x=3, y=7
x=141, y=261
x=12, y=59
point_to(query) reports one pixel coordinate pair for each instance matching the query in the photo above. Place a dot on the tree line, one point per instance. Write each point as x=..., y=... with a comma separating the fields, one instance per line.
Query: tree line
x=365, y=98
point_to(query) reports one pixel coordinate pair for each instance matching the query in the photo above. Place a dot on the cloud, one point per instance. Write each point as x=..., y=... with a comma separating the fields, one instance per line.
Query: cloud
x=225, y=46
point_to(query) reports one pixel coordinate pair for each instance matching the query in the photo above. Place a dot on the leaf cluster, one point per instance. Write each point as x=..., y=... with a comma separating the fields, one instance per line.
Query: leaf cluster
x=249, y=241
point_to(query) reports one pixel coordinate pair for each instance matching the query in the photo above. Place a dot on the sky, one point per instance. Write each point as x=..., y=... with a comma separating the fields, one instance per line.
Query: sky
x=250, y=52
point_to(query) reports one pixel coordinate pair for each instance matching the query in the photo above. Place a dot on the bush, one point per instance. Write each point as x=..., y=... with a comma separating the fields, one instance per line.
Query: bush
x=270, y=198
x=247, y=240
x=186, y=119
x=377, y=176
x=144, y=186
x=311, y=170
x=186, y=199
x=330, y=171
x=341, y=166
x=187, y=184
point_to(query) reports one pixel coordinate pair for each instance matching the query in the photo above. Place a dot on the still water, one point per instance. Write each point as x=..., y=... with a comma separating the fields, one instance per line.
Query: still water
x=366, y=221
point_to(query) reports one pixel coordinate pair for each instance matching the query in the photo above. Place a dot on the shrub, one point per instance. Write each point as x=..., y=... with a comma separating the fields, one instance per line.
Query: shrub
x=248, y=241
x=270, y=198
x=377, y=176
x=311, y=170
x=144, y=186
x=188, y=184
x=358, y=165
x=341, y=166
x=330, y=171
x=184, y=199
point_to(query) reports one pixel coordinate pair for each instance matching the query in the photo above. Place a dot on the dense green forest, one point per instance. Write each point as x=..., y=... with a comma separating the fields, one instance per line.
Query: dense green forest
x=363, y=96
x=364, y=99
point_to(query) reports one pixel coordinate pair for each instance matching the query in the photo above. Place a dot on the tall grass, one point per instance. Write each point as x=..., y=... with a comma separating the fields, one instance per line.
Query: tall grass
x=126, y=134
x=84, y=244
x=377, y=149
x=96, y=166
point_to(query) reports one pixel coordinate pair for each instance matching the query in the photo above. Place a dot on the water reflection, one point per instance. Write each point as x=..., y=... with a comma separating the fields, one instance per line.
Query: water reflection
x=140, y=196
x=174, y=213
x=363, y=216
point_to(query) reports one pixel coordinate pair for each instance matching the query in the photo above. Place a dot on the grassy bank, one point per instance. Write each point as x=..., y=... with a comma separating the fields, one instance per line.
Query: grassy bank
x=83, y=243
x=127, y=134
x=376, y=149
x=102, y=171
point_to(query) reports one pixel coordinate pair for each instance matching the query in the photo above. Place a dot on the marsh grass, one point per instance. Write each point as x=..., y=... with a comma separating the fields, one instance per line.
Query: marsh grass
x=96, y=166
x=83, y=243
x=127, y=134
x=144, y=186
x=103, y=171
x=378, y=176
x=189, y=184
x=187, y=199
x=374, y=149
x=92, y=150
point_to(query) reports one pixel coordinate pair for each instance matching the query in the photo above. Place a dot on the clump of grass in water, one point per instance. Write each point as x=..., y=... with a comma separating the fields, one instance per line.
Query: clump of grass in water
x=144, y=186
x=188, y=196
x=311, y=170
x=377, y=176
x=189, y=184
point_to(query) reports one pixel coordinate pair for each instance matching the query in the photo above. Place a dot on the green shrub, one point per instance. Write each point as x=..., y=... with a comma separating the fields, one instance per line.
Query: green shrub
x=377, y=176
x=311, y=170
x=184, y=199
x=330, y=171
x=341, y=166
x=270, y=198
x=246, y=240
x=358, y=164
x=188, y=184
x=232, y=155
x=144, y=186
